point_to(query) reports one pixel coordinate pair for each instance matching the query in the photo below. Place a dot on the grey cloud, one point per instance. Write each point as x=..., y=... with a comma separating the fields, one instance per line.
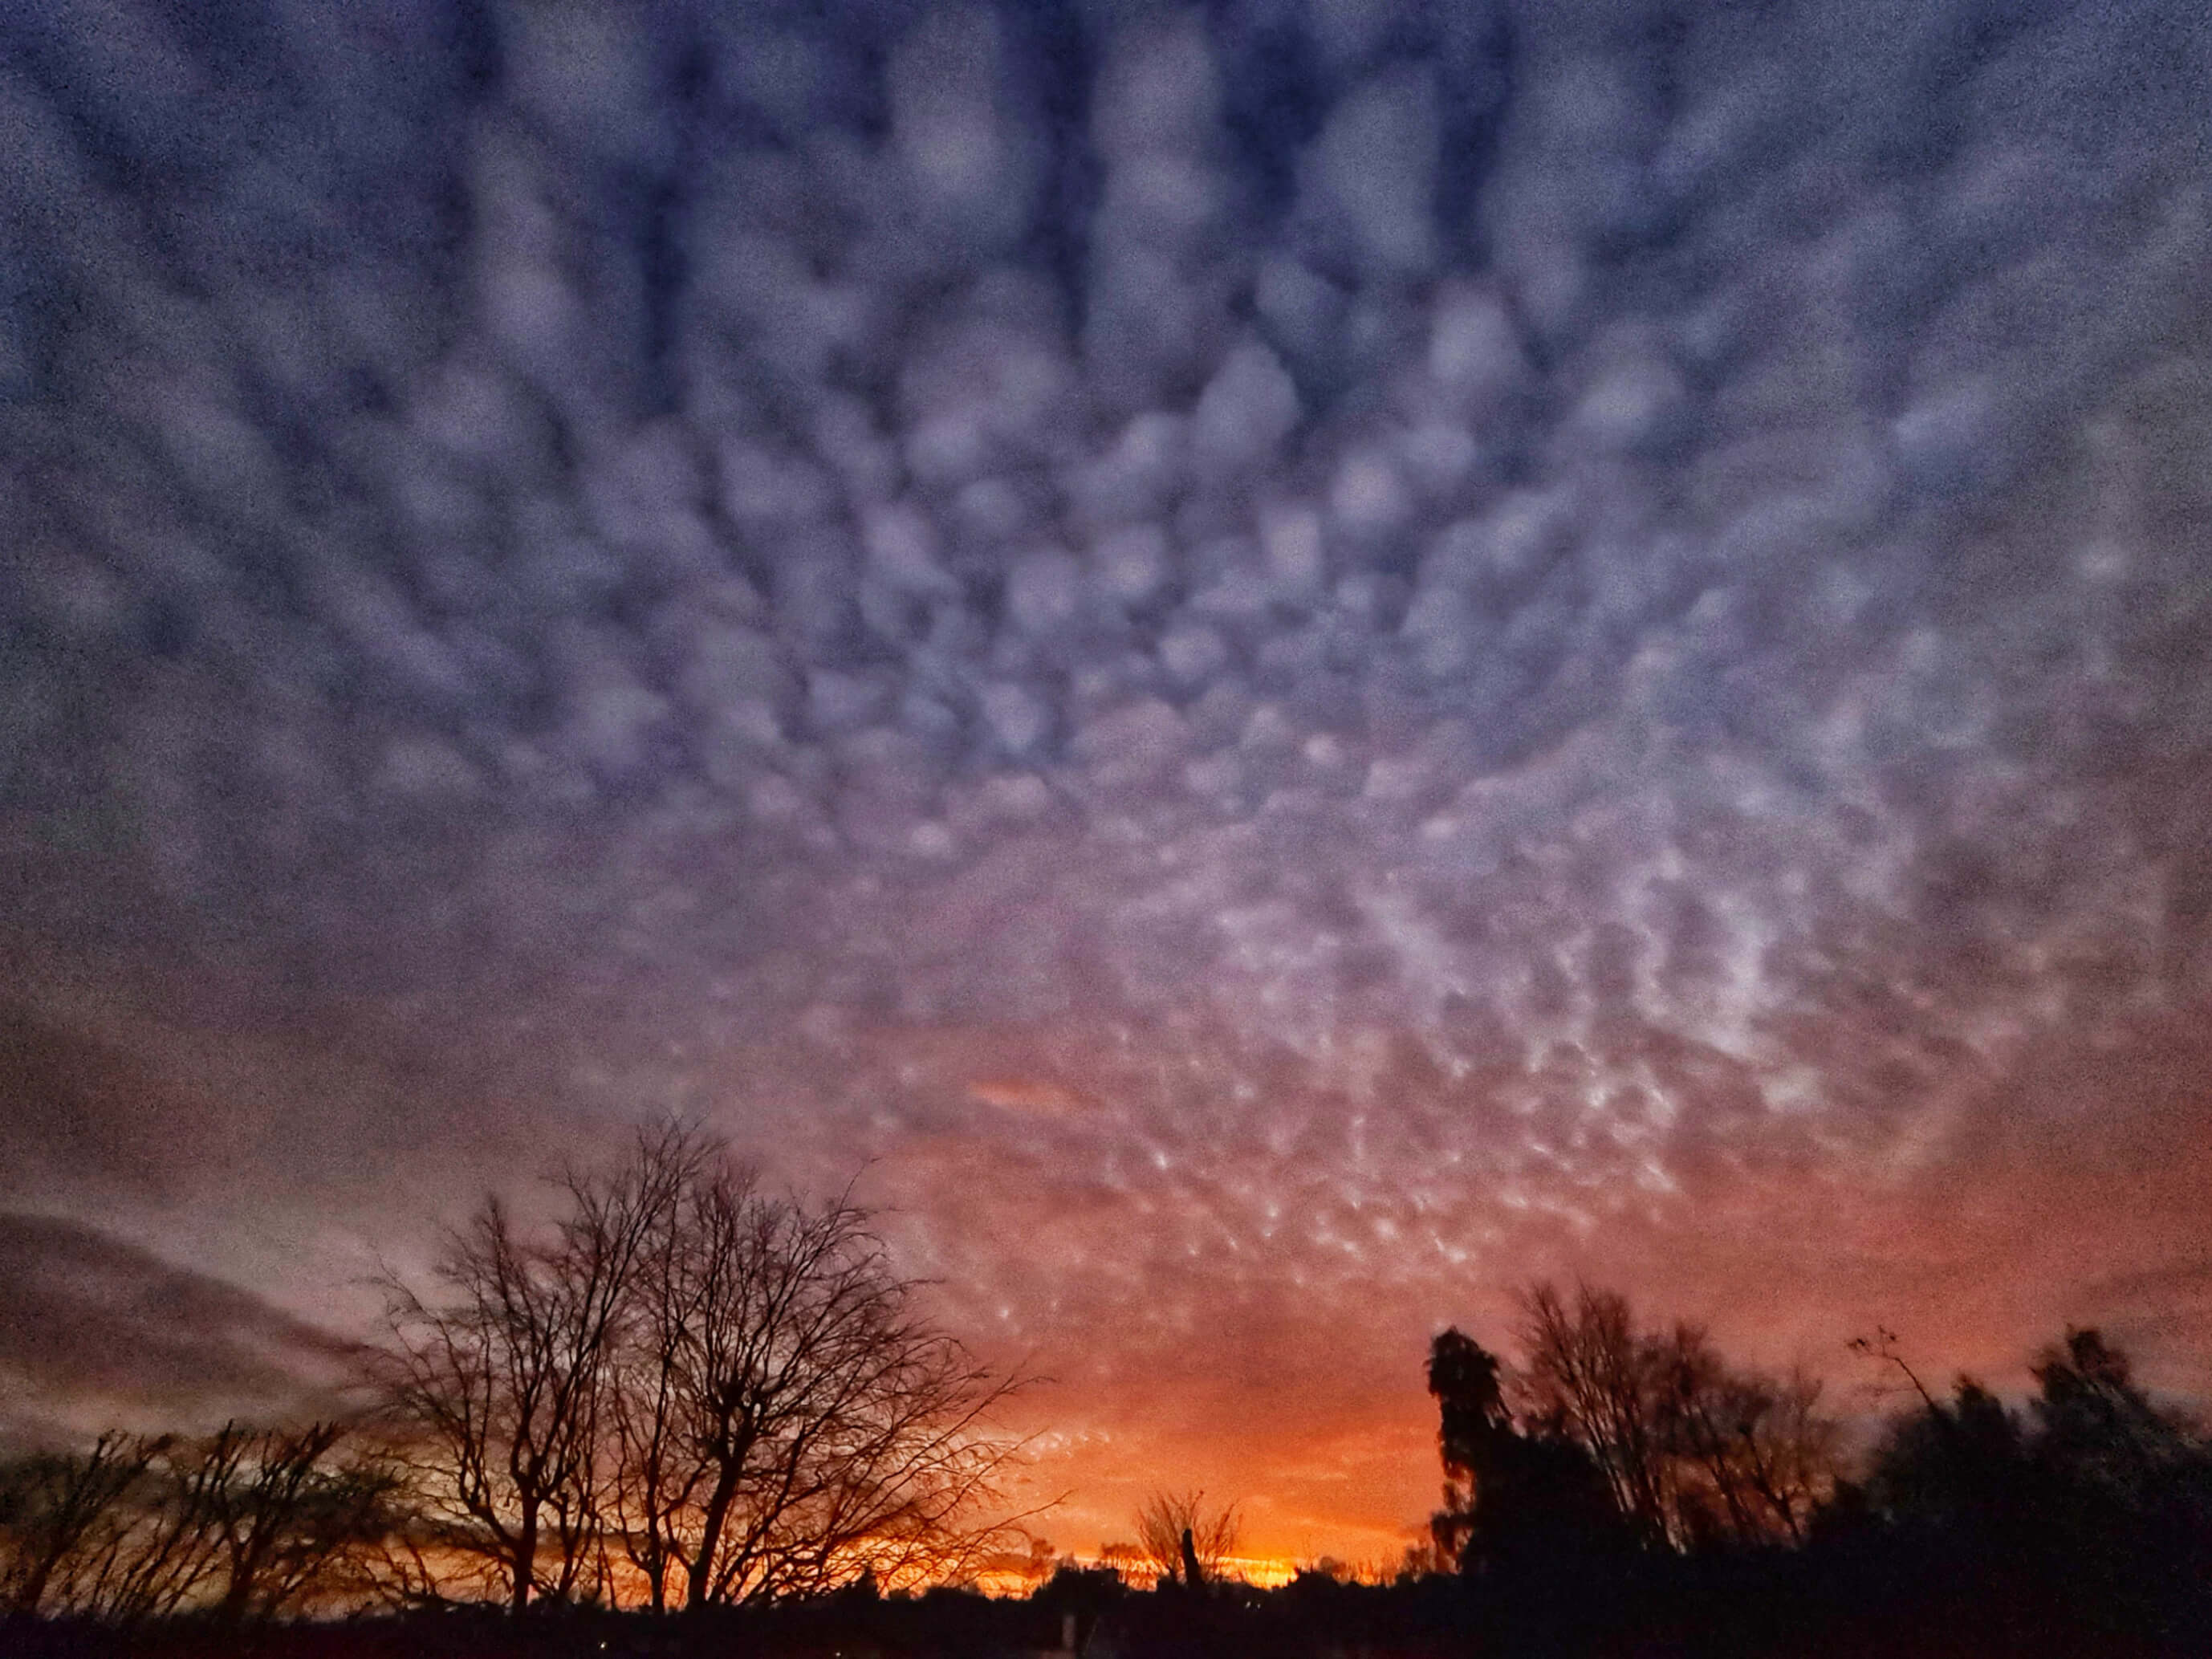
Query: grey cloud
x=88, y=1322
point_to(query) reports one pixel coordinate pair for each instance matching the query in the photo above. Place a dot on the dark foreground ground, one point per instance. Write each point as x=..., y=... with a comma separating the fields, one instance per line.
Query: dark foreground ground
x=1894, y=1605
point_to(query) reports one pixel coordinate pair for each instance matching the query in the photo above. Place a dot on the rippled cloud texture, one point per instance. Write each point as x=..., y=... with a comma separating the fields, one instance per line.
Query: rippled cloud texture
x=1298, y=659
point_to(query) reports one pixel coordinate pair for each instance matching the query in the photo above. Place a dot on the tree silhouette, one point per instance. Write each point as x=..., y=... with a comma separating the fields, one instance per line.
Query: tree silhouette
x=239, y=1525
x=290, y=1522
x=1958, y=1464
x=58, y=1511
x=1606, y=1434
x=2091, y=1513
x=1463, y=1381
x=1752, y=1455
x=1586, y=1370
x=733, y=1394
x=1183, y=1540
x=498, y=1374
x=2126, y=1486
x=2100, y=1428
x=785, y=1418
x=1512, y=1500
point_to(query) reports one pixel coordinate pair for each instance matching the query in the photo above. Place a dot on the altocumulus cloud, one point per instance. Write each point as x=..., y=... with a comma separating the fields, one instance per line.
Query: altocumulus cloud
x=1349, y=646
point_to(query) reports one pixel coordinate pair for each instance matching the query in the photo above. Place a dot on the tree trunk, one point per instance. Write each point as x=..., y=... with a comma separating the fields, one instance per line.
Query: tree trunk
x=710, y=1534
x=525, y=1558
x=33, y=1589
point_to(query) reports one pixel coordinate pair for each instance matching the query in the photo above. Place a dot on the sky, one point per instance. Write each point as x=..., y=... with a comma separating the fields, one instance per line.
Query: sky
x=1273, y=666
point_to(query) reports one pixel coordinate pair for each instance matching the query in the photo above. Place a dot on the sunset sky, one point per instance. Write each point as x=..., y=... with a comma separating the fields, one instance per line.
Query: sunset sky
x=1276, y=666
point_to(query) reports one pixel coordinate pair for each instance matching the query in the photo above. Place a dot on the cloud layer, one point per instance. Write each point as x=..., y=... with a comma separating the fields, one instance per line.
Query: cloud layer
x=1292, y=655
x=95, y=1334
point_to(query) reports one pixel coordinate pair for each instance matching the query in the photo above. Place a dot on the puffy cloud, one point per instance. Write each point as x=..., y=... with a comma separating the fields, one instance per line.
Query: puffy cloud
x=1486, y=630
x=1374, y=167
x=958, y=149
x=1247, y=411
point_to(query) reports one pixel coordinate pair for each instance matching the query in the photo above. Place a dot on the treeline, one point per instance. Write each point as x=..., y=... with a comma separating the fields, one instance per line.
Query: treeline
x=1616, y=1461
x=1607, y=1437
x=239, y=1525
x=679, y=1391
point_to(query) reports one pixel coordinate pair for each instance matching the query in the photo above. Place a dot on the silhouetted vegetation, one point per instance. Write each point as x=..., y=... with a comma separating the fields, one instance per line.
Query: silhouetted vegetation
x=1619, y=1484
x=687, y=1393
x=693, y=1418
x=237, y=1526
x=1184, y=1541
x=1621, y=1438
x=1517, y=1498
x=2092, y=1510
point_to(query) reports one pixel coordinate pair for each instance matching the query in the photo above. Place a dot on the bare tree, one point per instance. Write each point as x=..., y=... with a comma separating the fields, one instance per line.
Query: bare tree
x=1791, y=1451
x=1883, y=1347
x=689, y=1385
x=159, y=1554
x=1692, y=1451
x=498, y=1373
x=656, y=1473
x=291, y=1524
x=241, y=1525
x=785, y=1418
x=1184, y=1540
x=1586, y=1370
x=58, y=1510
x=1755, y=1455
